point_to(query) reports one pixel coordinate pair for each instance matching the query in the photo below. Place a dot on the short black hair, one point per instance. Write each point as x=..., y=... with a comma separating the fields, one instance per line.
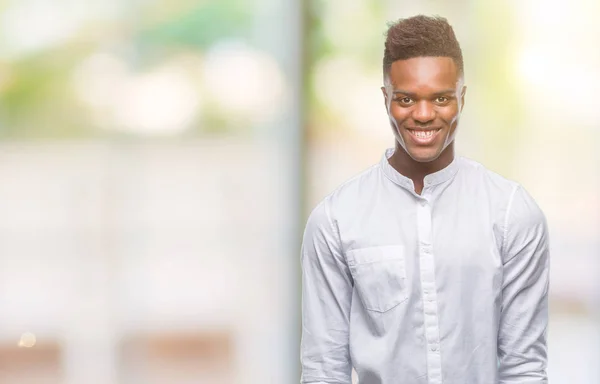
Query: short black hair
x=421, y=36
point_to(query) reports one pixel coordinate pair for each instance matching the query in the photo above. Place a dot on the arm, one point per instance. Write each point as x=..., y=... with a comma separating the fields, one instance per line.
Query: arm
x=522, y=350
x=326, y=297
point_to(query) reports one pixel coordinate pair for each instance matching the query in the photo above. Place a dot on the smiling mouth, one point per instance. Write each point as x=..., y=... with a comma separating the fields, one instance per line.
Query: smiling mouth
x=423, y=133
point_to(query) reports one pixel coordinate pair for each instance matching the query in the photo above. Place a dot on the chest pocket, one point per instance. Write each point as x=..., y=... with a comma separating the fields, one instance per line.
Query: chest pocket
x=379, y=276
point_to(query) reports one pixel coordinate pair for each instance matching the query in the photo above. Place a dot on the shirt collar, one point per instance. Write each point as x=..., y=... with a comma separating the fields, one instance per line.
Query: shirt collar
x=438, y=177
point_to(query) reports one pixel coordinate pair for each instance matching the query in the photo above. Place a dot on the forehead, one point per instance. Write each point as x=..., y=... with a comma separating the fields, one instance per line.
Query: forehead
x=424, y=73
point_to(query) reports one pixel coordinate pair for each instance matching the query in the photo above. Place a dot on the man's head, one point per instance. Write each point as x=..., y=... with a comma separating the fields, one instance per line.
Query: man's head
x=423, y=85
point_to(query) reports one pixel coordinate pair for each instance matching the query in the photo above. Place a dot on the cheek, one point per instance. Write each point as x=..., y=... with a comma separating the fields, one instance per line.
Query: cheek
x=398, y=114
x=450, y=115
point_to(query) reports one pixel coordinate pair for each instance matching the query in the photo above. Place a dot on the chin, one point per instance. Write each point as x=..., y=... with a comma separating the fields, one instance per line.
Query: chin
x=423, y=157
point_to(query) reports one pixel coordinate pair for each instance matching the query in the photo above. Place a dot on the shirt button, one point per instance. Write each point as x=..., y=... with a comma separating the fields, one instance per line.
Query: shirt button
x=433, y=348
x=423, y=203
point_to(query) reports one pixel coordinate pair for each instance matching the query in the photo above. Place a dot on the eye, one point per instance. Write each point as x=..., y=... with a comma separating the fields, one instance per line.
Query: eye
x=404, y=100
x=441, y=99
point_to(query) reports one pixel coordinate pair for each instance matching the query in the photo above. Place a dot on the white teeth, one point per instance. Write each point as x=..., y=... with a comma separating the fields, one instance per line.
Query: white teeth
x=423, y=134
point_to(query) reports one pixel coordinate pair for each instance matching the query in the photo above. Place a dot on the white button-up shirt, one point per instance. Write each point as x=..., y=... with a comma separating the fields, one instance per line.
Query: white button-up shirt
x=450, y=286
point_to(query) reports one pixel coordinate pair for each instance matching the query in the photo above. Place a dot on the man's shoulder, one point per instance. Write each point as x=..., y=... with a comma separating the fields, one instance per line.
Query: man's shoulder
x=355, y=186
x=364, y=178
x=492, y=180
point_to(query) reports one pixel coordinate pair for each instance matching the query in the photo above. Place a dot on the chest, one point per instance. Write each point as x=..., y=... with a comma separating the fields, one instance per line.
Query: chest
x=459, y=242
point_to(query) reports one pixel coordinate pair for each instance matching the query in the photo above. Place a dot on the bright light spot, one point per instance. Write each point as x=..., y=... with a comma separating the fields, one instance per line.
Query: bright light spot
x=244, y=81
x=545, y=73
x=561, y=82
x=162, y=102
x=544, y=14
x=33, y=25
x=27, y=26
x=27, y=340
x=533, y=67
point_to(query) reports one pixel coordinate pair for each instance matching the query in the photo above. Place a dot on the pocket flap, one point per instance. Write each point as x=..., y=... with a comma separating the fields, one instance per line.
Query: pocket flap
x=374, y=254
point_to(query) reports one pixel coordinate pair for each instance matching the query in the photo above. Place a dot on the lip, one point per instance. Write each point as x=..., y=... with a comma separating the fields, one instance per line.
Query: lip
x=423, y=140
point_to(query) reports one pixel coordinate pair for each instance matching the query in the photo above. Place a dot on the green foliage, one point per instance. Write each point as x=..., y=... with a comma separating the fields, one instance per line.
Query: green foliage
x=38, y=101
x=201, y=26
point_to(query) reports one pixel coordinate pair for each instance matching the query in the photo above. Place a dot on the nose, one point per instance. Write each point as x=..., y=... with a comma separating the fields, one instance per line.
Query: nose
x=423, y=112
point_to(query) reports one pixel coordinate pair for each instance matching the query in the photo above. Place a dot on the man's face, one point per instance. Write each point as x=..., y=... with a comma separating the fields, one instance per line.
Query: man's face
x=424, y=97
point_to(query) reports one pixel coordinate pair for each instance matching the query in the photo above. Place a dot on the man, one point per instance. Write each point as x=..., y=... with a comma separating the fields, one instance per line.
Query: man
x=427, y=267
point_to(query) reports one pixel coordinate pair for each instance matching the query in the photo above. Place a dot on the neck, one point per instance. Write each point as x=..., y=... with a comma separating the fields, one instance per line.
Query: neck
x=415, y=170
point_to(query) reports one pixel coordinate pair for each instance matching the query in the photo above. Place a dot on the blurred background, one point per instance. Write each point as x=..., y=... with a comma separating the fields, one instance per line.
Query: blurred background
x=158, y=160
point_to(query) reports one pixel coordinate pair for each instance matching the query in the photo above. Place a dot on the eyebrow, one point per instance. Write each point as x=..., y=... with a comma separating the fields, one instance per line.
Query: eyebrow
x=411, y=94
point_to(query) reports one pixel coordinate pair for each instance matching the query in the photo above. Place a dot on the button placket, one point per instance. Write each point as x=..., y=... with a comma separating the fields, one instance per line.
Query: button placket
x=428, y=287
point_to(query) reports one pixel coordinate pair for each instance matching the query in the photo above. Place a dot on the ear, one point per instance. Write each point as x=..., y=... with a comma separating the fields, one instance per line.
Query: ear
x=462, y=97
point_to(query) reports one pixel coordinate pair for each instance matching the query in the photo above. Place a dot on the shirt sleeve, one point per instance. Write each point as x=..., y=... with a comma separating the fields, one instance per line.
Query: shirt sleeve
x=326, y=298
x=522, y=349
